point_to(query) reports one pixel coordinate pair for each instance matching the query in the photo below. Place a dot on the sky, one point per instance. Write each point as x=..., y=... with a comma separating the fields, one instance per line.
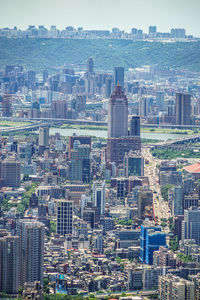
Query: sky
x=103, y=14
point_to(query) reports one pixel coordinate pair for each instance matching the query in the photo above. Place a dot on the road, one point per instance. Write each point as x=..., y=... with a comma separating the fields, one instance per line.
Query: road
x=161, y=208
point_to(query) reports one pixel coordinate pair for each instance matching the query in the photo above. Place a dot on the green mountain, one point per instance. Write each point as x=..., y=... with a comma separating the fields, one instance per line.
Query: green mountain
x=39, y=54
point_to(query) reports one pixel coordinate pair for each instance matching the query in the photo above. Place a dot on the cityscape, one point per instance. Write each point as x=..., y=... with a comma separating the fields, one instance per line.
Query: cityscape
x=99, y=164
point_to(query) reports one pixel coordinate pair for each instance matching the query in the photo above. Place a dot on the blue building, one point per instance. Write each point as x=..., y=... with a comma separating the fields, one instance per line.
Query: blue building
x=151, y=238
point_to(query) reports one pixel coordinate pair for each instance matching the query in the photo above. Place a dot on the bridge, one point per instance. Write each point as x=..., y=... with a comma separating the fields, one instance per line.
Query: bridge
x=180, y=141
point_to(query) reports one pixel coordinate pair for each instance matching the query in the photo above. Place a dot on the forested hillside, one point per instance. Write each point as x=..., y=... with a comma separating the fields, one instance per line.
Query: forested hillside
x=51, y=54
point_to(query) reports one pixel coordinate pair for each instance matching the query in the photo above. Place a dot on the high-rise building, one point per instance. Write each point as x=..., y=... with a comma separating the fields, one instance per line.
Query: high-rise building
x=7, y=106
x=44, y=136
x=160, y=97
x=118, y=114
x=90, y=65
x=191, y=224
x=108, y=85
x=151, y=238
x=133, y=164
x=10, y=172
x=177, y=205
x=31, y=236
x=117, y=147
x=59, y=109
x=79, y=167
x=191, y=200
x=178, y=33
x=145, y=198
x=119, y=76
x=84, y=140
x=152, y=31
x=174, y=287
x=135, y=126
x=64, y=216
x=9, y=264
x=99, y=195
x=183, y=109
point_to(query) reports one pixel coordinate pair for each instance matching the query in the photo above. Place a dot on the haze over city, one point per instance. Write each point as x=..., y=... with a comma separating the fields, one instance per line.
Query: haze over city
x=99, y=150
x=104, y=14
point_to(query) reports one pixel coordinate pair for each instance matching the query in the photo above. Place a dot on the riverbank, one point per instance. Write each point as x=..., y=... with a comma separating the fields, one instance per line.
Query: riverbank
x=144, y=130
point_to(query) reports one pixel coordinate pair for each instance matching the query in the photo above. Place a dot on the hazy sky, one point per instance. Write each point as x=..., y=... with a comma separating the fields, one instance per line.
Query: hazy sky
x=103, y=14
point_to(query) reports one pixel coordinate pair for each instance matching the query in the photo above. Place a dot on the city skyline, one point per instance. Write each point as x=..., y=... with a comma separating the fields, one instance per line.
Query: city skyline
x=88, y=14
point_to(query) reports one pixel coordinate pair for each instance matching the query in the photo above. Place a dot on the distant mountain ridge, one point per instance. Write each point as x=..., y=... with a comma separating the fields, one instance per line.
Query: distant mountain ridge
x=39, y=54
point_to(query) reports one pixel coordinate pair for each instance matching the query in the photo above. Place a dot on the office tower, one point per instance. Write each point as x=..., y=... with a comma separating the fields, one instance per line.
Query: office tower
x=7, y=106
x=145, y=198
x=31, y=236
x=108, y=87
x=31, y=77
x=79, y=167
x=99, y=195
x=59, y=109
x=10, y=172
x=191, y=200
x=117, y=147
x=90, y=64
x=191, y=224
x=144, y=107
x=9, y=264
x=177, y=204
x=152, y=31
x=135, y=126
x=64, y=216
x=119, y=76
x=133, y=164
x=174, y=287
x=45, y=75
x=44, y=136
x=160, y=97
x=84, y=140
x=151, y=238
x=118, y=114
x=183, y=109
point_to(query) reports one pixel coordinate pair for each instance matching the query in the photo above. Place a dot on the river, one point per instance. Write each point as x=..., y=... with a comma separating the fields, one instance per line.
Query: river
x=103, y=134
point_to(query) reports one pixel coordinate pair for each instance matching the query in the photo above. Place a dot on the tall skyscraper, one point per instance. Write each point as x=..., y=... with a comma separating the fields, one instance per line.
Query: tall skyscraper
x=31, y=236
x=183, y=109
x=9, y=264
x=7, y=106
x=99, y=195
x=90, y=65
x=177, y=205
x=191, y=224
x=80, y=163
x=44, y=136
x=118, y=114
x=135, y=126
x=119, y=76
x=10, y=172
x=160, y=97
x=64, y=216
x=108, y=87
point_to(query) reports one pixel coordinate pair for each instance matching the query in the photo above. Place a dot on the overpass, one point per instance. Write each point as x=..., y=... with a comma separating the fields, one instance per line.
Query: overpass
x=95, y=123
x=180, y=141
